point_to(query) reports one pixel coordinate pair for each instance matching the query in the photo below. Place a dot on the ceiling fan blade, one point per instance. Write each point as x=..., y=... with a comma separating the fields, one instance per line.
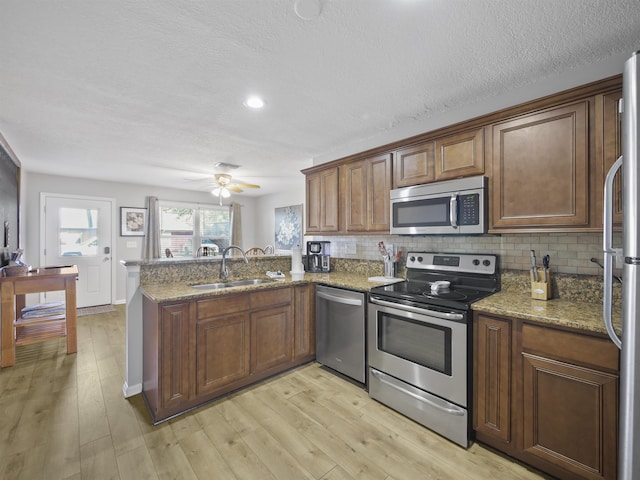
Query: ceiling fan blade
x=234, y=188
x=246, y=185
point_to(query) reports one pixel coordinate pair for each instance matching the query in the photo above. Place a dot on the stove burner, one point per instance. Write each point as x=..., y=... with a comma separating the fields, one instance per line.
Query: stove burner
x=457, y=294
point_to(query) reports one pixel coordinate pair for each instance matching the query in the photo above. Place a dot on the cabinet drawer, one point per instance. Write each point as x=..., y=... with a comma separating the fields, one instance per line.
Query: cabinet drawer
x=574, y=347
x=267, y=298
x=215, y=307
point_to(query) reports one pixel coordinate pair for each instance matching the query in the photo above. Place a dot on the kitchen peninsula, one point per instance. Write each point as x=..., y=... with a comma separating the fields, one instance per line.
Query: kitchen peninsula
x=165, y=281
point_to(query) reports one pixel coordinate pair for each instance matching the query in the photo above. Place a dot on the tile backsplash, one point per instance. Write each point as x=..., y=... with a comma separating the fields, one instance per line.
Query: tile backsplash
x=570, y=252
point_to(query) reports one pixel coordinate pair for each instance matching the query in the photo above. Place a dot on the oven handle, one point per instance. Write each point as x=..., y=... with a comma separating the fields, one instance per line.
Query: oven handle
x=421, y=311
x=431, y=400
x=332, y=298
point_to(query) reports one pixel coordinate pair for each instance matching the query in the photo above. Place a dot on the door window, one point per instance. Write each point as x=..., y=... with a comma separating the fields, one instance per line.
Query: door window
x=77, y=233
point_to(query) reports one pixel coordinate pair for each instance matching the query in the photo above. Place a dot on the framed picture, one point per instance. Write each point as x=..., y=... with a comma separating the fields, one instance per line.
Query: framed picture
x=132, y=221
x=288, y=228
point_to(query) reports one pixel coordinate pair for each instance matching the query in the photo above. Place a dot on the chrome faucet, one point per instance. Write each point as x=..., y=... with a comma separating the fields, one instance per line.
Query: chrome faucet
x=224, y=273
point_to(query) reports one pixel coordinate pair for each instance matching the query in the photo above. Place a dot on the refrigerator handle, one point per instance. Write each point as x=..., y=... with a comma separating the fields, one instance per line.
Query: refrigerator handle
x=609, y=252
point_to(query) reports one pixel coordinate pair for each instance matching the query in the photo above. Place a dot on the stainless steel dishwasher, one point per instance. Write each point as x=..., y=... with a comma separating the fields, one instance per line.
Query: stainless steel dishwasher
x=340, y=334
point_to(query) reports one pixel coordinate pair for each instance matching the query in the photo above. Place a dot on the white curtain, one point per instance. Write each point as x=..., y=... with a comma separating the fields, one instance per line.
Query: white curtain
x=236, y=225
x=152, y=234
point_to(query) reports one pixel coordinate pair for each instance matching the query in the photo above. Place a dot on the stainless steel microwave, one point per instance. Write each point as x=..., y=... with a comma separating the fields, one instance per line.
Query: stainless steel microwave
x=452, y=207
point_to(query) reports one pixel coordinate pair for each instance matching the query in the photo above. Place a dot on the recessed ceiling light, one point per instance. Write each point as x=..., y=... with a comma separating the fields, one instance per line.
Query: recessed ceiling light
x=254, y=102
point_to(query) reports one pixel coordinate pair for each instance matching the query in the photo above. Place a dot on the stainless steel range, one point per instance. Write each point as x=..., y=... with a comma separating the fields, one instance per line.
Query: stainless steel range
x=419, y=339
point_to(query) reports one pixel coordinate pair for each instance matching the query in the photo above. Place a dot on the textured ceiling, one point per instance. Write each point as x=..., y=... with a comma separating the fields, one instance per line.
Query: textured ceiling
x=152, y=91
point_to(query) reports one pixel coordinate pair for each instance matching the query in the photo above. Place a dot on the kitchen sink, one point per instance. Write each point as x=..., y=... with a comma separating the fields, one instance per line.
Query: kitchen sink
x=237, y=283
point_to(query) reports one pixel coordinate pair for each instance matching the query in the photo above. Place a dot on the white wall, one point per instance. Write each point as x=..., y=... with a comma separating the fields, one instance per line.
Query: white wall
x=265, y=215
x=126, y=195
x=608, y=67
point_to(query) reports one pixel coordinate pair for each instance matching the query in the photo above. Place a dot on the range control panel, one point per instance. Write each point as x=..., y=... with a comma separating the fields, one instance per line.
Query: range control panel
x=453, y=262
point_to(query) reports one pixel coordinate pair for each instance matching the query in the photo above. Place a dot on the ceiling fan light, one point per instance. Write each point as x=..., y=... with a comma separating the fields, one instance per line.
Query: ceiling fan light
x=216, y=191
x=225, y=193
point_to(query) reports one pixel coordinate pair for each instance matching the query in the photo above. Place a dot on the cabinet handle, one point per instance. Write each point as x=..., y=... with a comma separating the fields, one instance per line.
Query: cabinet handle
x=423, y=397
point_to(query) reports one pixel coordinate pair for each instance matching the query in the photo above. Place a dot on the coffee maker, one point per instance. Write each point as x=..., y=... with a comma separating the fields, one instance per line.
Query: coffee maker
x=318, y=256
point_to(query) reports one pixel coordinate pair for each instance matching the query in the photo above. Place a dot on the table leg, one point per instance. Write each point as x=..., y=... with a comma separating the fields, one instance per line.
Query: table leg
x=72, y=320
x=7, y=320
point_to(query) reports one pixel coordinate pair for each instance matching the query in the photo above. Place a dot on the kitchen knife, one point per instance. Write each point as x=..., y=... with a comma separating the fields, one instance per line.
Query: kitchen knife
x=534, y=267
x=545, y=264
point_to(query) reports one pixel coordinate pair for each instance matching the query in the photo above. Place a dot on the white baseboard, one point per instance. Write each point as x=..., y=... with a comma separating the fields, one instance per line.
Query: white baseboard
x=131, y=390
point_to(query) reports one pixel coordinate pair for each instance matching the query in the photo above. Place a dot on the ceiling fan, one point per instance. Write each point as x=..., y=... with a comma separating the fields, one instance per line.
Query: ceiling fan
x=223, y=186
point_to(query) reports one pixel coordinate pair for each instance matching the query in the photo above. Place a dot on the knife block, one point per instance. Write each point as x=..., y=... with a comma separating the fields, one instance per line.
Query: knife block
x=541, y=290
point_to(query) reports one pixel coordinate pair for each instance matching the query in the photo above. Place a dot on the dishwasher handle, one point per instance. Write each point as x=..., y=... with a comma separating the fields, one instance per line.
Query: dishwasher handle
x=344, y=300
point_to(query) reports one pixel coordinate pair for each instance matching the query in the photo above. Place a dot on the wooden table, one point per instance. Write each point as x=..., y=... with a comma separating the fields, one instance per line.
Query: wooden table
x=15, y=330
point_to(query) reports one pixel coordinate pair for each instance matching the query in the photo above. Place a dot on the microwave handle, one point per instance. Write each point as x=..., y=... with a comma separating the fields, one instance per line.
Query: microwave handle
x=453, y=210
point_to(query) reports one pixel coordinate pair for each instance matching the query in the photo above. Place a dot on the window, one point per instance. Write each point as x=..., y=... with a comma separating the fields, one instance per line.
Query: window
x=184, y=228
x=78, y=232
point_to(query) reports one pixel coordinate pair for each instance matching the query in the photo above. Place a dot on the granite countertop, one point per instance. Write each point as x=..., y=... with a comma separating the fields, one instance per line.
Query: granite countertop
x=174, y=291
x=565, y=313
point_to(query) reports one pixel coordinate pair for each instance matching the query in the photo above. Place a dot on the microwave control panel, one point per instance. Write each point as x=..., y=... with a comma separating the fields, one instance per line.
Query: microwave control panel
x=469, y=209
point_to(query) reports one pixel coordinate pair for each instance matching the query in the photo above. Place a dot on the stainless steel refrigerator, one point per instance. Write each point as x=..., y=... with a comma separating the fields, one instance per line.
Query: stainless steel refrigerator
x=629, y=416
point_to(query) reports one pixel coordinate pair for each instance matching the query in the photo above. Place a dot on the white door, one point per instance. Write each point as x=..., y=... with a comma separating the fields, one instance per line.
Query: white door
x=78, y=231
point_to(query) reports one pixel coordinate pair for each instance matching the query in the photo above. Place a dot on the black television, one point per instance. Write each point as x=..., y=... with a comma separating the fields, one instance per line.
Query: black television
x=9, y=202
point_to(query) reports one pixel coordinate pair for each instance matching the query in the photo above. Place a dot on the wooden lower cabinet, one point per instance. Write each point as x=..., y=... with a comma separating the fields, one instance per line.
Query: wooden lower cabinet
x=492, y=369
x=271, y=338
x=223, y=347
x=304, y=314
x=546, y=396
x=174, y=364
x=197, y=350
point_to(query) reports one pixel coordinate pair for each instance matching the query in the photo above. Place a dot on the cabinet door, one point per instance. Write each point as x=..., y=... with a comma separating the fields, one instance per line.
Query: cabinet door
x=611, y=138
x=364, y=187
x=414, y=165
x=541, y=170
x=322, y=201
x=460, y=155
x=353, y=188
x=570, y=416
x=378, y=188
x=174, y=354
x=492, y=377
x=222, y=351
x=271, y=338
x=304, y=322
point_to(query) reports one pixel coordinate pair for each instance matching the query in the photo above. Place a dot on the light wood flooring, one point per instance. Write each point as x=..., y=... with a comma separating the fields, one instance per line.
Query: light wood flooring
x=64, y=417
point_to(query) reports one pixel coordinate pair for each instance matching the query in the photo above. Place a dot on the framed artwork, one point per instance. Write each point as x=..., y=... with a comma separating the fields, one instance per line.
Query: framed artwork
x=288, y=228
x=132, y=221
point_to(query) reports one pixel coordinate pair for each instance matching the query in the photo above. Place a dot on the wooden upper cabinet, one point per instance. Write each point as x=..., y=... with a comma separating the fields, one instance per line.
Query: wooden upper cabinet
x=322, y=201
x=609, y=148
x=353, y=181
x=541, y=170
x=460, y=155
x=378, y=193
x=414, y=165
x=365, y=186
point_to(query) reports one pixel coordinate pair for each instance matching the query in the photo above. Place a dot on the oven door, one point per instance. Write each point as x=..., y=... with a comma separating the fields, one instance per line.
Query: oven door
x=424, y=348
